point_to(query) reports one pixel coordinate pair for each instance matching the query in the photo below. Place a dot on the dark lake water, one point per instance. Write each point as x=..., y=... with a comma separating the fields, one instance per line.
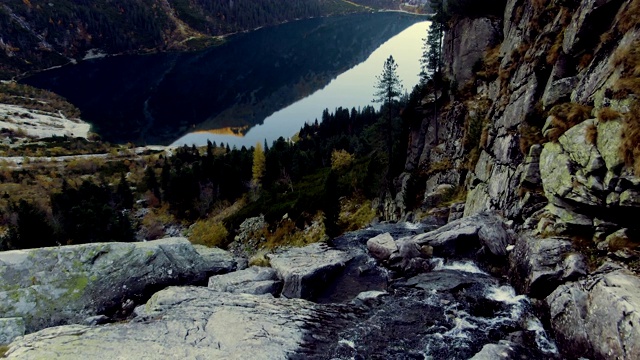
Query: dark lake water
x=256, y=86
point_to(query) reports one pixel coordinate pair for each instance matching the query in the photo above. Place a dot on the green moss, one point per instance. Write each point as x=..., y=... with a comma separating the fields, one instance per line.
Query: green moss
x=14, y=295
x=76, y=287
x=3, y=350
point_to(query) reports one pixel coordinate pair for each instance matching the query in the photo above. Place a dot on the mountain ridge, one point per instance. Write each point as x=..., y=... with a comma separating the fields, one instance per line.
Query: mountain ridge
x=37, y=35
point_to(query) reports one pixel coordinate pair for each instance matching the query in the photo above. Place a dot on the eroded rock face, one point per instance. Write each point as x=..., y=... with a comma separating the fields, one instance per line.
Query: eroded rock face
x=540, y=265
x=53, y=286
x=583, y=174
x=304, y=270
x=467, y=42
x=598, y=317
x=183, y=323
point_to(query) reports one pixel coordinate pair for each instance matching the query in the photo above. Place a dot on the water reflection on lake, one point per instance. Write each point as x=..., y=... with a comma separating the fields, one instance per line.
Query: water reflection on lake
x=242, y=91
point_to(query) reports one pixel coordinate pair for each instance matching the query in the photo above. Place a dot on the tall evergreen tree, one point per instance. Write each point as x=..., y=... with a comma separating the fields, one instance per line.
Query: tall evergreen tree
x=431, y=61
x=124, y=194
x=388, y=89
x=388, y=86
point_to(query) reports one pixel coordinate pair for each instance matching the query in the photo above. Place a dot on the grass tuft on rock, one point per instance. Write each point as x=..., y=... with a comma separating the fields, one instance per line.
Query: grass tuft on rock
x=3, y=350
x=630, y=145
x=356, y=214
x=260, y=259
x=608, y=114
x=565, y=116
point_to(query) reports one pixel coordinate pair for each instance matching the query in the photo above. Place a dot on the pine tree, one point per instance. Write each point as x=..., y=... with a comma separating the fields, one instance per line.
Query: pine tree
x=431, y=61
x=388, y=89
x=124, y=194
x=388, y=86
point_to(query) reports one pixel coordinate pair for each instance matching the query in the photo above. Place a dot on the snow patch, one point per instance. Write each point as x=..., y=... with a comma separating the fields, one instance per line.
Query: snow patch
x=94, y=54
x=41, y=124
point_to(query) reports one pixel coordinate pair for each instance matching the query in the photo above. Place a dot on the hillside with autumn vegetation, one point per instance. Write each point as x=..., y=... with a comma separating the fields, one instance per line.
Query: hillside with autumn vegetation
x=38, y=34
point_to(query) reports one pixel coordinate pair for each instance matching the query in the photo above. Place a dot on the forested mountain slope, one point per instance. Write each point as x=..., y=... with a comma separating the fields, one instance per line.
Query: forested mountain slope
x=38, y=34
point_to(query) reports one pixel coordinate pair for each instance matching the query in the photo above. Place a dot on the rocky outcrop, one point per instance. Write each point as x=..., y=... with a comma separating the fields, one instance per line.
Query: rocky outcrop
x=468, y=234
x=466, y=43
x=585, y=180
x=598, y=317
x=304, y=270
x=254, y=280
x=53, y=286
x=540, y=265
x=184, y=323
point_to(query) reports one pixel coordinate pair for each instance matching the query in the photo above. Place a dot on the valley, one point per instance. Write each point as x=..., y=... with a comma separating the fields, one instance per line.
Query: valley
x=488, y=212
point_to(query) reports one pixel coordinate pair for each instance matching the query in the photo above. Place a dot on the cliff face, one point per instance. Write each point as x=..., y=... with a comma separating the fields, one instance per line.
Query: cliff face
x=541, y=126
x=540, y=101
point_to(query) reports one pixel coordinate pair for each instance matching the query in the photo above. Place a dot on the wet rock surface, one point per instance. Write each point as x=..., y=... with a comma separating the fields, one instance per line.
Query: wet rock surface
x=468, y=234
x=446, y=314
x=452, y=311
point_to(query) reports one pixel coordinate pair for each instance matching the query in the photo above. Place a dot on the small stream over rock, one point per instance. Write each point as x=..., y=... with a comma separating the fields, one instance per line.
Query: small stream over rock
x=451, y=312
x=323, y=301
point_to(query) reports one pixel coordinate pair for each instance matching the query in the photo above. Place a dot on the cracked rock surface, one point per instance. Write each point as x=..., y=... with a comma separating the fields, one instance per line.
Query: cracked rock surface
x=598, y=317
x=63, y=285
x=183, y=323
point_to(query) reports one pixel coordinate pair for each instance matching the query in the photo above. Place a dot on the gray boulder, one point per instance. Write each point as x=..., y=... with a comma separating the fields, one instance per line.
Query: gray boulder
x=62, y=285
x=254, y=280
x=540, y=265
x=466, y=234
x=411, y=258
x=558, y=90
x=11, y=328
x=184, y=323
x=382, y=246
x=305, y=269
x=598, y=317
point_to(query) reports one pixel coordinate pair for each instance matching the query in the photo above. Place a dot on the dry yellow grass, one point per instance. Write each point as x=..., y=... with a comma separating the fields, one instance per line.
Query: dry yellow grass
x=565, y=116
x=209, y=233
x=630, y=146
x=529, y=135
x=630, y=18
x=592, y=134
x=608, y=114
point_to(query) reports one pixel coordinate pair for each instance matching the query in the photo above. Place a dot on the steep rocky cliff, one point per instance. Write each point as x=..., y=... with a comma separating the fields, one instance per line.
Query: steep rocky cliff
x=541, y=125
